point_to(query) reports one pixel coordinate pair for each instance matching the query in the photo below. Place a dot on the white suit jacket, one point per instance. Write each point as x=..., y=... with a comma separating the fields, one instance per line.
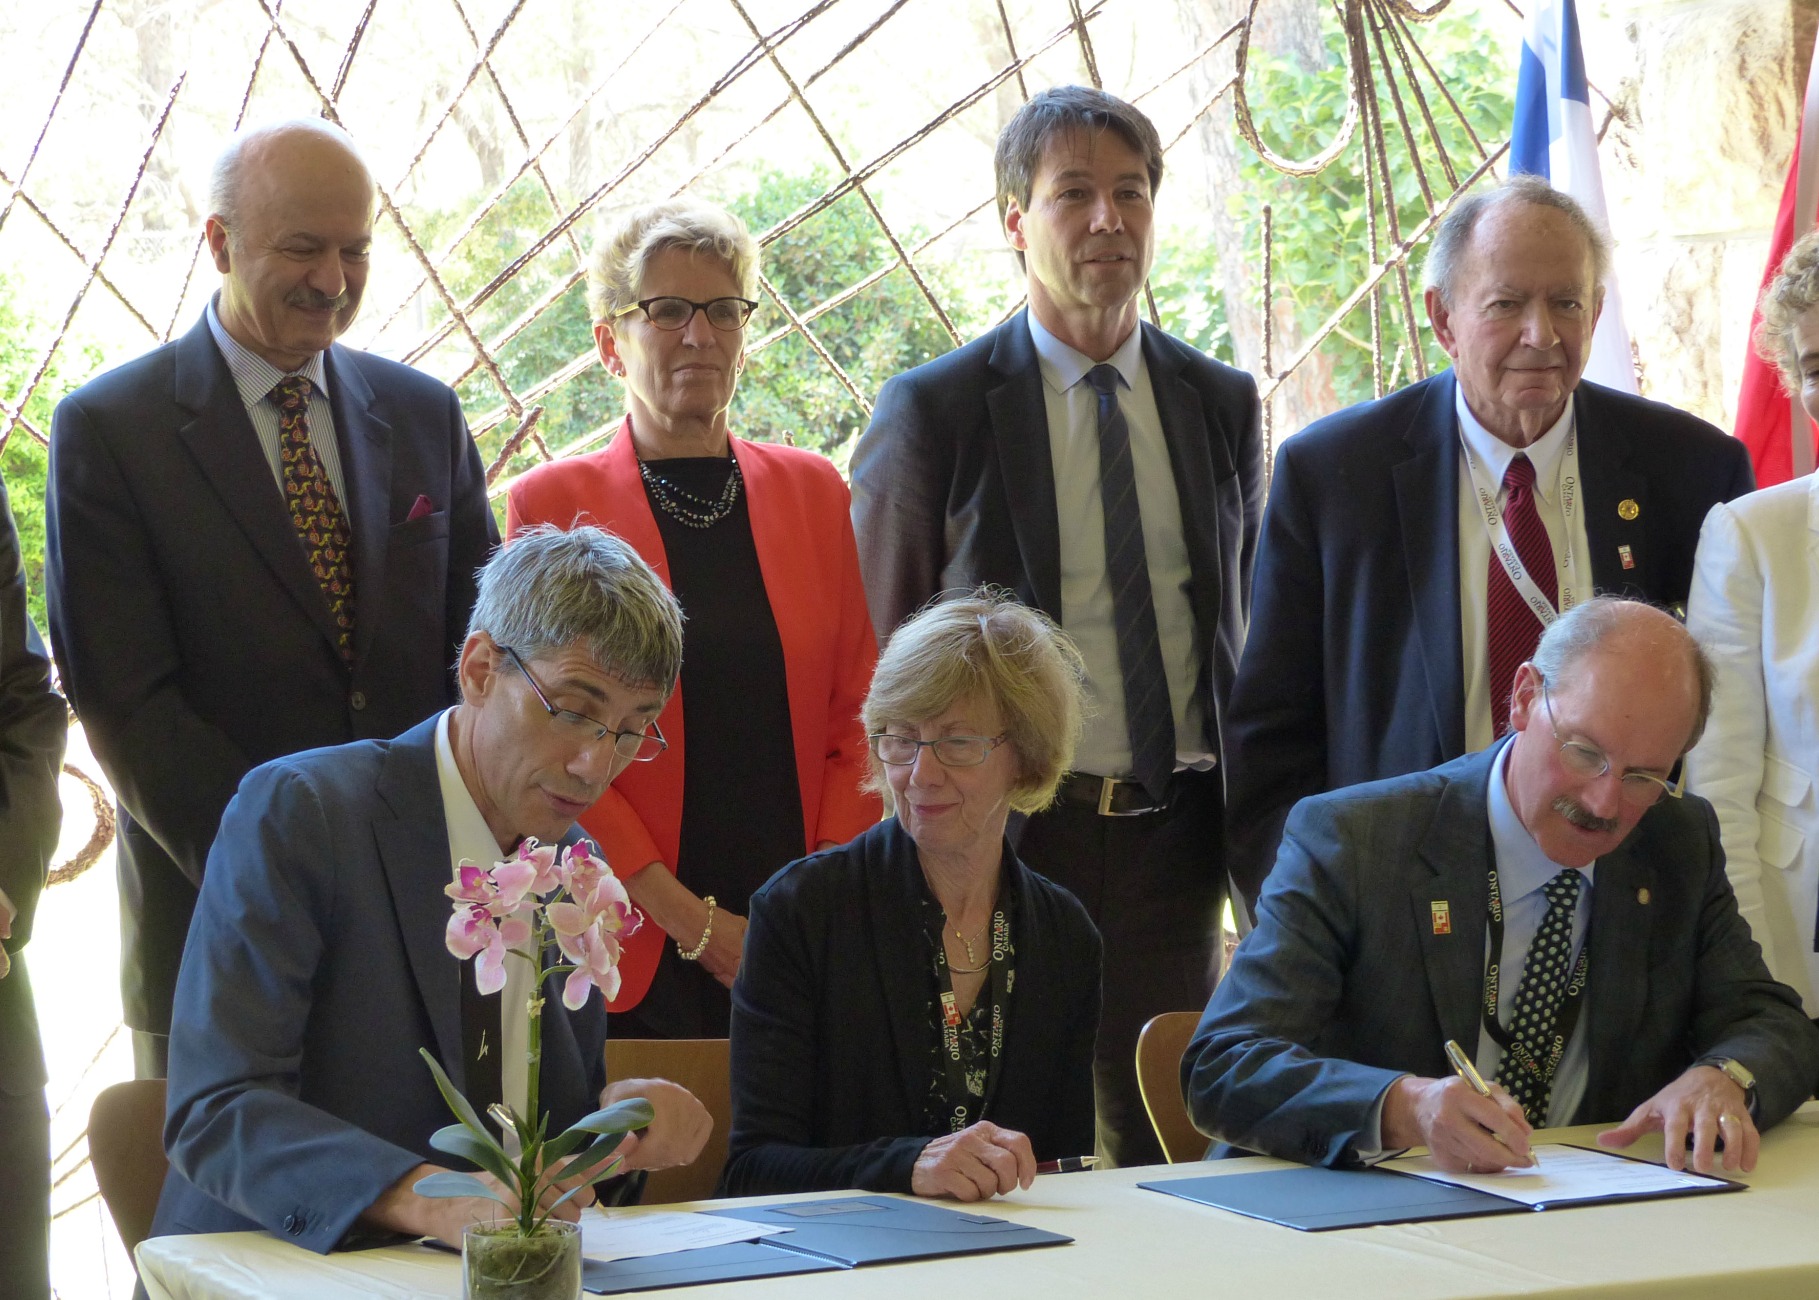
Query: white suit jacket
x=1754, y=605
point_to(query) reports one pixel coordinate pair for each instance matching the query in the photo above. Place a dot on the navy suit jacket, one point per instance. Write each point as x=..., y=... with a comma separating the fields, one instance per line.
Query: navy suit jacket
x=831, y=1022
x=193, y=639
x=1354, y=669
x=953, y=486
x=316, y=968
x=1344, y=985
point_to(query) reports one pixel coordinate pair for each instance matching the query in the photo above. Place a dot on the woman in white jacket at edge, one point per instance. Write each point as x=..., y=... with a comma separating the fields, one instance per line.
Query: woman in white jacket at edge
x=1755, y=607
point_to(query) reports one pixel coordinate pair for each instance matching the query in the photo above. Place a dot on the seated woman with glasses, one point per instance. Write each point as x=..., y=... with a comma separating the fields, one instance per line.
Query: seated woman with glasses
x=916, y=1011
x=1754, y=606
x=766, y=755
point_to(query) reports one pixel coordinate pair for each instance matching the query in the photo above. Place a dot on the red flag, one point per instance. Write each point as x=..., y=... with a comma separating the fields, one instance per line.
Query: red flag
x=1764, y=414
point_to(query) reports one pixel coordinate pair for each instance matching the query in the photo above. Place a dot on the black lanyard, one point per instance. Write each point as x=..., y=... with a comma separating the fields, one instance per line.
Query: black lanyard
x=959, y=1098
x=1564, y=1023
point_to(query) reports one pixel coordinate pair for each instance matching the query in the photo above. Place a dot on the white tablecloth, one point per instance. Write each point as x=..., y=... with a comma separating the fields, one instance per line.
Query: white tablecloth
x=1131, y=1244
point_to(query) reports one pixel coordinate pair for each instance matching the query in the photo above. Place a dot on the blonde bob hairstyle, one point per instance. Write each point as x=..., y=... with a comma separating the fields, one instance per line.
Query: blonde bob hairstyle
x=986, y=646
x=616, y=268
x=1790, y=295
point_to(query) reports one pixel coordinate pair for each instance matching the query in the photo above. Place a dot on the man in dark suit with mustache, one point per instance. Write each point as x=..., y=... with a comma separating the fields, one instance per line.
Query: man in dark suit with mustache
x=260, y=541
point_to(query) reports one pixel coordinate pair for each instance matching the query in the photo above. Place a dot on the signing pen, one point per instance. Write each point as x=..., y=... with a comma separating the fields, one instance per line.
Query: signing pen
x=1067, y=1165
x=1463, y=1067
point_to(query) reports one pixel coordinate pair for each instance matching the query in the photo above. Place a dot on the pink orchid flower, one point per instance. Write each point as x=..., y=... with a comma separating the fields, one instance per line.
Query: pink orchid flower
x=544, y=858
x=594, y=951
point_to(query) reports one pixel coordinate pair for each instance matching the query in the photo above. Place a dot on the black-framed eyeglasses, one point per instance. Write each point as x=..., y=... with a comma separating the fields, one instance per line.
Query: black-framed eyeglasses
x=669, y=313
x=1640, y=789
x=639, y=746
x=951, y=751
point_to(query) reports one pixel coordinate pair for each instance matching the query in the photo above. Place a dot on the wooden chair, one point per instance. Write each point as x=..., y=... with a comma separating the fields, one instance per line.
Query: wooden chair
x=126, y=1148
x=701, y=1065
x=1160, y=1048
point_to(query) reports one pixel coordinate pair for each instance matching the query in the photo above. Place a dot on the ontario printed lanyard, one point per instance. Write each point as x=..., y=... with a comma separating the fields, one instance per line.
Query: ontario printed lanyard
x=958, y=1097
x=1570, y=1007
x=1497, y=530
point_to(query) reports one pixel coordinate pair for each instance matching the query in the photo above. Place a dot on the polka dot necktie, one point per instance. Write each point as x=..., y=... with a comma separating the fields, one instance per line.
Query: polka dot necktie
x=315, y=512
x=1527, y=1069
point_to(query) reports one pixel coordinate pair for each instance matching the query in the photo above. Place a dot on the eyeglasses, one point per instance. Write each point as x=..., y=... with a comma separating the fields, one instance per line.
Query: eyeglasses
x=952, y=751
x=639, y=746
x=1640, y=789
x=668, y=313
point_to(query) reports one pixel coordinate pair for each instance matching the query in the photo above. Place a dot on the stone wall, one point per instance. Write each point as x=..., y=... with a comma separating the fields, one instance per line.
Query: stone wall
x=1707, y=96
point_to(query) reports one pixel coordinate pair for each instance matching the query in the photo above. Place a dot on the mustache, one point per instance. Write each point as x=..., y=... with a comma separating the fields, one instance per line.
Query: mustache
x=314, y=301
x=1583, y=817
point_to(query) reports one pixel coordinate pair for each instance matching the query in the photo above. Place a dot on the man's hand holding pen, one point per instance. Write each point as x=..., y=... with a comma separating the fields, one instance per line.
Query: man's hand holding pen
x=1467, y=1125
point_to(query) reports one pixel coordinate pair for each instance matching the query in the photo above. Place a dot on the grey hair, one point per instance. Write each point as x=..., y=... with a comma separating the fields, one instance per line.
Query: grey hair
x=1585, y=627
x=1790, y=295
x=619, y=261
x=224, y=178
x=551, y=588
x=1454, y=235
x=986, y=645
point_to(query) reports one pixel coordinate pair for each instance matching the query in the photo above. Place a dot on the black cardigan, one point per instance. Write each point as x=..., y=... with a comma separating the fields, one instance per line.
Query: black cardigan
x=830, y=1016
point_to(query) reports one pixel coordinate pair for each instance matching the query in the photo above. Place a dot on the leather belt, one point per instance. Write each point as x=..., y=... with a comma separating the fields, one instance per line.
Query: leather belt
x=1111, y=797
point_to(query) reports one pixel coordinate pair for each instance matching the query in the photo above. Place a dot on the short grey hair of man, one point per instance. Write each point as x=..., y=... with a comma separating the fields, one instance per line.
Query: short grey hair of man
x=616, y=269
x=552, y=588
x=987, y=646
x=1585, y=627
x=230, y=164
x=1454, y=235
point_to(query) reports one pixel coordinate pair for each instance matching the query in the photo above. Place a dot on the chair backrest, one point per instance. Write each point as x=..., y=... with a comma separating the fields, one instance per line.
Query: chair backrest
x=126, y=1148
x=1159, y=1050
x=702, y=1065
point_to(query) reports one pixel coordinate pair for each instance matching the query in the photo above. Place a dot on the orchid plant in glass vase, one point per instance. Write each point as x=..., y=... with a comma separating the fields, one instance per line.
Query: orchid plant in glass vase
x=536, y=900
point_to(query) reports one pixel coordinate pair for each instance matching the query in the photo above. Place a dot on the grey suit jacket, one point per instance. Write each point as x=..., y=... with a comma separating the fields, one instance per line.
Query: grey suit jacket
x=316, y=968
x=193, y=639
x=1354, y=669
x=1344, y=985
x=953, y=486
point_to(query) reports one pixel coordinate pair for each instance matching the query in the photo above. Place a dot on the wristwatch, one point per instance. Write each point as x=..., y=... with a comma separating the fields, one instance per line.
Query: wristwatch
x=1737, y=1072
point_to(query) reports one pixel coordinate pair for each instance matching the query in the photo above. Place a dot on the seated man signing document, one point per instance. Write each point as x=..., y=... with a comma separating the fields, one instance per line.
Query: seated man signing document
x=317, y=963
x=1544, y=904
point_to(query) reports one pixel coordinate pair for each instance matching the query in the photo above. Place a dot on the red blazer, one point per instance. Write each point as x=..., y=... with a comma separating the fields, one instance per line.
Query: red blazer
x=803, y=531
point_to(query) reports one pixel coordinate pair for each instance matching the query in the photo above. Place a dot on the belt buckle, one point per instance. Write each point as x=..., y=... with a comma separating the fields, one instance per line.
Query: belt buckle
x=1107, y=787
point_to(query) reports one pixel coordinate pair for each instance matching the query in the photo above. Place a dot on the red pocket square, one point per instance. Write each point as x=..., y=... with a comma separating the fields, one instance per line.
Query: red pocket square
x=419, y=508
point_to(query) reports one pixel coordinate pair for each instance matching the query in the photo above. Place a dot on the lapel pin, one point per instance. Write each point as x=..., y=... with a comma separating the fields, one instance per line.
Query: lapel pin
x=1443, y=916
x=1642, y=896
x=1628, y=508
x=1627, y=556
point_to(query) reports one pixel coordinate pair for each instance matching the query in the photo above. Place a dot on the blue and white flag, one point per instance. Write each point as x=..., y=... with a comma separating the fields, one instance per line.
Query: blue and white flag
x=1553, y=138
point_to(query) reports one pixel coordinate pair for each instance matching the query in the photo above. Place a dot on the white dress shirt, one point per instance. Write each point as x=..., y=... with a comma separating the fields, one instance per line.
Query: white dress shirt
x=254, y=379
x=1086, y=589
x=470, y=840
x=1547, y=455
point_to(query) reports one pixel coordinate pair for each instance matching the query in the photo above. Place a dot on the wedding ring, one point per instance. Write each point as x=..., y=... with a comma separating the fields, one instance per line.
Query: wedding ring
x=1727, y=1118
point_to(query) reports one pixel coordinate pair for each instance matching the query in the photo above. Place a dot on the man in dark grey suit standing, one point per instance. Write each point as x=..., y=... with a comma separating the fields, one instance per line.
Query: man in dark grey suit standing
x=32, y=722
x=1111, y=476
x=1543, y=905
x=260, y=541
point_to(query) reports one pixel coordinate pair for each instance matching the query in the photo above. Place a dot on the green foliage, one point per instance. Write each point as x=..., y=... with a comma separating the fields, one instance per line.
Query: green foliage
x=25, y=464
x=1185, y=285
x=887, y=329
x=1321, y=244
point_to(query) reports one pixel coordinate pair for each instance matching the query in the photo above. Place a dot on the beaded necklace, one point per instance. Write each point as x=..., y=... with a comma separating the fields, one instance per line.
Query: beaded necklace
x=684, y=506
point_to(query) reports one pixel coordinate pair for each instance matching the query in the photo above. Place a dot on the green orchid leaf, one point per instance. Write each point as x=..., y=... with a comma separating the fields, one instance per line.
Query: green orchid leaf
x=592, y=1158
x=620, y=1117
x=456, y=1102
x=484, y=1152
x=607, y=1172
x=449, y=1185
x=563, y=1144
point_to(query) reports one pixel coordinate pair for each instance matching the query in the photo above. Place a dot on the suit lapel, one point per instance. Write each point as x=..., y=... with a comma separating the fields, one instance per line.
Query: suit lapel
x=893, y=896
x=1618, y=971
x=1427, y=501
x=1450, y=908
x=221, y=439
x=1615, y=495
x=366, y=458
x=414, y=854
x=1020, y=429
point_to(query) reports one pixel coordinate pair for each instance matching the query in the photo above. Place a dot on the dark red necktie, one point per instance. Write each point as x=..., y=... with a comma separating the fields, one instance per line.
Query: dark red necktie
x=1512, y=628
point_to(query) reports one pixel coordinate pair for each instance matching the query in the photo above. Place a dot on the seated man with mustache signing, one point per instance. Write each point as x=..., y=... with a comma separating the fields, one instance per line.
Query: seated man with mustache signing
x=1542, y=904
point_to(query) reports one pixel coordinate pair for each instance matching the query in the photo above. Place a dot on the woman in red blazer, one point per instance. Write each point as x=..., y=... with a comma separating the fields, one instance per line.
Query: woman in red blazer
x=766, y=753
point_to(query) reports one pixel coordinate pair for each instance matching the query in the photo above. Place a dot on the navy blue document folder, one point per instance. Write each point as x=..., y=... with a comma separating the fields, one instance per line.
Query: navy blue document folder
x=729, y=1263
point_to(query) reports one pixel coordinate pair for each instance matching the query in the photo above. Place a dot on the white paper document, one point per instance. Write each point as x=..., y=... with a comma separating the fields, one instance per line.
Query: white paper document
x=1565, y=1174
x=608, y=1235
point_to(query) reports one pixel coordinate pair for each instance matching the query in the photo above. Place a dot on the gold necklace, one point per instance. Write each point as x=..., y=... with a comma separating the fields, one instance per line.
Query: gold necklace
x=971, y=956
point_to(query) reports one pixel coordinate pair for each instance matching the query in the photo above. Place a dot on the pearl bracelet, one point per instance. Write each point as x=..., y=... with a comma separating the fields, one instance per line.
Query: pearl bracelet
x=694, y=954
